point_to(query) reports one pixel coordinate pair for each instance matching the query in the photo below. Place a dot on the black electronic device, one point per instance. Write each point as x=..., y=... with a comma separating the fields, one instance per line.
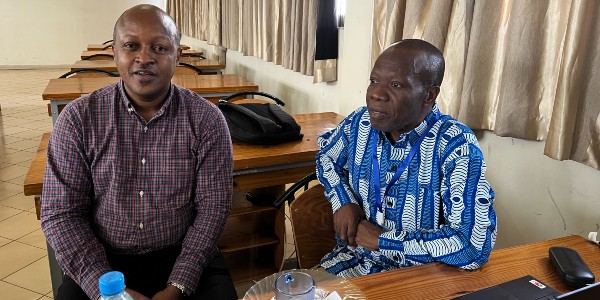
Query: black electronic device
x=570, y=267
x=524, y=288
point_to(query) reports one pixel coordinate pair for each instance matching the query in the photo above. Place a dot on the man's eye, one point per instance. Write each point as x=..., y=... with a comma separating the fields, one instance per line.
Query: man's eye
x=372, y=81
x=160, y=49
x=130, y=46
x=396, y=85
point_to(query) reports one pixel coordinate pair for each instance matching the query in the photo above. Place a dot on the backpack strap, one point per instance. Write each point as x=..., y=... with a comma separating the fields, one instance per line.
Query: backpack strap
x=245, y=93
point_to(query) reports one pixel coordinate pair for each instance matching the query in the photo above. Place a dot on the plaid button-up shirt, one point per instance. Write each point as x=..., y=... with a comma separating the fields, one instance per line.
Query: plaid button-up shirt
x=115, y=180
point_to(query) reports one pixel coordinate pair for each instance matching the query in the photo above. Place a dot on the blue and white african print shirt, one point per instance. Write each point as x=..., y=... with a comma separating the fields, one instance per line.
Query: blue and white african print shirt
x=448, y=169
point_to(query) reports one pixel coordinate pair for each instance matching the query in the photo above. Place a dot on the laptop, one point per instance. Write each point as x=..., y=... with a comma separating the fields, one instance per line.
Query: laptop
x=529, y=288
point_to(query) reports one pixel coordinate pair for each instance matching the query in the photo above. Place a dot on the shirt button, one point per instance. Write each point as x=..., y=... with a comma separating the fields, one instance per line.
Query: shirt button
x=145, y=128
x=393, y=168
x=390, y=203
x=141, y=194
x=143, y=161
x=141, y=225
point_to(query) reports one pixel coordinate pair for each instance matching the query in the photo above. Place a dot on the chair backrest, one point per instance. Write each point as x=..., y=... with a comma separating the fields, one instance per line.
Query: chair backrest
x=200, y=56
x=88, y=72
x=187, y=69
x=312, y=224
x=100, y=56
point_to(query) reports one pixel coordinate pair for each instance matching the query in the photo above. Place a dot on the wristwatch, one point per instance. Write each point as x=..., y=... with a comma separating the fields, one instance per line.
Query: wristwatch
x=184, y=291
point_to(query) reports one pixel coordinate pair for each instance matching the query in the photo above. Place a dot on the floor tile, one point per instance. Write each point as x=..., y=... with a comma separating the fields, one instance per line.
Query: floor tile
x=4, y=241
x=36, y=239
x=19, y=201
x=15, y=256
x=15, y=158
x=7, y=212
x=8, y=190
x=4, y=164
x=289, y=251
x=10, y=291
x=34, y=277
x=11, y=172
x=38, y=125
x=24, y=144
x=31, y=134
x=17, y=180
x=12, y=130
x=19, y=225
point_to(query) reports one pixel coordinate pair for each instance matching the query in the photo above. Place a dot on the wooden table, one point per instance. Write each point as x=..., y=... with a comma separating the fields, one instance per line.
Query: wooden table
x=101, y=47
x=206, y=65
x=253, y=241
x=439, y=281
x=213, y=87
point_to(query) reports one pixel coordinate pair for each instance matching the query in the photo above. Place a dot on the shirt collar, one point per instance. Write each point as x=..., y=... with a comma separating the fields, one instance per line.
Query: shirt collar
x=130, y=109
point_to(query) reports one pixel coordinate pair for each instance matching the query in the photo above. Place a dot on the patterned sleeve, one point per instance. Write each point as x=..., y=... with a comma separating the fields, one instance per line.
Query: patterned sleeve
x=66, y=205
x=332, y=160
x=466, y=238
x=214, y=184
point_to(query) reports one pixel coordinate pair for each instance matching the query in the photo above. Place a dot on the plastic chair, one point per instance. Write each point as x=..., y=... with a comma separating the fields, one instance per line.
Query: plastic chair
x=312, y=221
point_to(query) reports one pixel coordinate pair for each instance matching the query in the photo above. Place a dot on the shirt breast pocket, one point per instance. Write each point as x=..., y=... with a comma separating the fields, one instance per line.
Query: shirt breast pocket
x=174, y=183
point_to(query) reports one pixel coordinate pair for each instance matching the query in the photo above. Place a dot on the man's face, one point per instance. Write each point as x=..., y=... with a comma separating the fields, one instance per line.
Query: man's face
x=146, y=55
x=396, y=96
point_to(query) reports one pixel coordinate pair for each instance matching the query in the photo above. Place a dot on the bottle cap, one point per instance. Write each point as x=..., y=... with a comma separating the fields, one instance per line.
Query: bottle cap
x=111, y=283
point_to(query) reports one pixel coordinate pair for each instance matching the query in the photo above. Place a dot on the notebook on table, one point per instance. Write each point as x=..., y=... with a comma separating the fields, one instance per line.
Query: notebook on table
x=529, y=288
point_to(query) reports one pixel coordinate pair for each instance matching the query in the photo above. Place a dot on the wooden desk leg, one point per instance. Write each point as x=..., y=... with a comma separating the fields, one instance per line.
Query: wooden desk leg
x=36, y=200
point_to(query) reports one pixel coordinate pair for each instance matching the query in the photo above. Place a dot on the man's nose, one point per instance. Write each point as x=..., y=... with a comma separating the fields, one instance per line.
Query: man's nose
x=378, y=92
x=145, y=55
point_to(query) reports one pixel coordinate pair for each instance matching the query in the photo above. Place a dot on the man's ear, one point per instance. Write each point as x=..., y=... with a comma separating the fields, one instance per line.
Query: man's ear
x=179, y=52
x=431, y=95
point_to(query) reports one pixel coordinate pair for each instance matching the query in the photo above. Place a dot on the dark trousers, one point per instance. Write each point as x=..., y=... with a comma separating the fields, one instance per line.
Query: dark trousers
x=149, y=274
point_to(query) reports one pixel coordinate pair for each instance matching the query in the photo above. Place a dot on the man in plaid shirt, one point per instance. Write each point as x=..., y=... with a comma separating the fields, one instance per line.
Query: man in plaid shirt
x=139, y=176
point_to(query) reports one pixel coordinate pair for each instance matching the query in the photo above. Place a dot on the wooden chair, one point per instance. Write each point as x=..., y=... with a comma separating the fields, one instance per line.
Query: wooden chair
x=312, y=221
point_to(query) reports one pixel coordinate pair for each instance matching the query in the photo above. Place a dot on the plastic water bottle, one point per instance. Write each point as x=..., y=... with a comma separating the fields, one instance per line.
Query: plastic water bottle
x=112, y=286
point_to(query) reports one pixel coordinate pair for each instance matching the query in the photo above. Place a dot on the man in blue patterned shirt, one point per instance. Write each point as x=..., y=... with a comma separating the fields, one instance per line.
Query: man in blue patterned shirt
x=139, y=176
x=406, y=183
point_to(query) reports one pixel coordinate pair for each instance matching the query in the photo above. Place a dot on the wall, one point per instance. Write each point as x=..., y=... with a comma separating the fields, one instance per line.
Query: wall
x=537, y=198
x=34, y=33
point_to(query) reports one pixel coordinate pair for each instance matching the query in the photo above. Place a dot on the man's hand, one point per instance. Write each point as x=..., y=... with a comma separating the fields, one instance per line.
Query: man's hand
x=169, y=293
x=367, y=235
x=345, y=222
x=135, y=295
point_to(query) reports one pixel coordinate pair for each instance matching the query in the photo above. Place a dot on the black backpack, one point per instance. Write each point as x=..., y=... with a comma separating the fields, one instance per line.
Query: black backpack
x=259, y=123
